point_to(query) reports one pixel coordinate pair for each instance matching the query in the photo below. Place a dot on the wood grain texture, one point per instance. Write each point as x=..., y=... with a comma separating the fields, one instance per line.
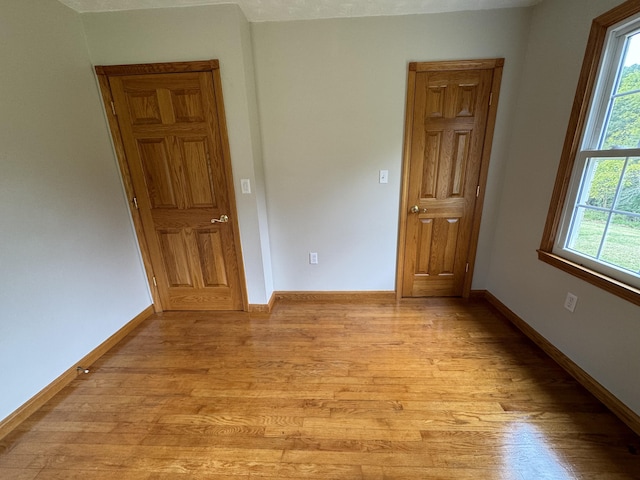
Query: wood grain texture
x=168, y=120
x=342, y=296
x=423, y=389
x=263, y=308
x=484, y=174
x=609, y=284
x=406, y=176
x=125, y=174
x=448, y=135
x=456, y=65
x=37, y=401
x=169, y=67
x=616, y=406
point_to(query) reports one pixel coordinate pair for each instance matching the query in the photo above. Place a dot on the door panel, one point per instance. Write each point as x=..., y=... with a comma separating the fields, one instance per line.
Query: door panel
x=175, y=146
x=198, y=187
x=447, y=114
x=159, y=174
x=210, y=245
x=176, y=258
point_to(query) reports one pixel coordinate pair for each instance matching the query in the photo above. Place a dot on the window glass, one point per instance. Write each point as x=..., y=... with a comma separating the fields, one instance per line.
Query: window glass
x=605, y=220
x=593, y=226
x=588, y=230
x=622, y=128
x=601, y=181
x=605, y=225
x=621, y=246
x=629, y=196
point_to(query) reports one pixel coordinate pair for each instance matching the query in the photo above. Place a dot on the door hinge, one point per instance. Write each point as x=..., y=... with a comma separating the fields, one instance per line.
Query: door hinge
x=466, y=268
x=113, y=108
x=135, y=202
x=477, y=191
x=490, y=98
x=154, y=282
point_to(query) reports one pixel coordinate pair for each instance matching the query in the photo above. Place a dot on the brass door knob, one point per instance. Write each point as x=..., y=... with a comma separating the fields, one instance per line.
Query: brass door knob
x=222, y=219
x=415, y=209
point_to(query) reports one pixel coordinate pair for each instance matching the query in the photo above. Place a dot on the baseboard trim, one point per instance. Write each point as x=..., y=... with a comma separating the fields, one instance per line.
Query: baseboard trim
x=38, y=400
x=338, y=297
x=478, y=295
x=263, y=308
x=623, y=412
x=618, y=408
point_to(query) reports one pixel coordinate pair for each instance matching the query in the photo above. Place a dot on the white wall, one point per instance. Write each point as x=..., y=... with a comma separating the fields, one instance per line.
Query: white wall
x=332, y=98
x=603, y=335
x=257, y=180
x=71, y=271
x=202, y=33
x=328, y=115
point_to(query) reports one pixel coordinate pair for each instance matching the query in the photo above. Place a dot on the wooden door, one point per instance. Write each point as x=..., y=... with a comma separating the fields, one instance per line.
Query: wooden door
x=171, y=128
x=449, y=124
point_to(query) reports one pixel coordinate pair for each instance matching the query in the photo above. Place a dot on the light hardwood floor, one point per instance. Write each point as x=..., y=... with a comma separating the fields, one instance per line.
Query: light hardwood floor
x=428, y=389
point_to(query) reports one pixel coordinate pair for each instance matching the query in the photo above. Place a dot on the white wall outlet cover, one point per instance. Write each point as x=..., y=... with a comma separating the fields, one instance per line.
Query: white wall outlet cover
x=570, y=302
x=245, y=185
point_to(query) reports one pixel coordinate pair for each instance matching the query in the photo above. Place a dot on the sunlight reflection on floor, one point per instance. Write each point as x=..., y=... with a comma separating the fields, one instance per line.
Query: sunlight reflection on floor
x=527, y=456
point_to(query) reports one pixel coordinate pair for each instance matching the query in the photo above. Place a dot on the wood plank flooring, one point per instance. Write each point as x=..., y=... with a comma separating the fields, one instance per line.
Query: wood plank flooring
x=428, y=389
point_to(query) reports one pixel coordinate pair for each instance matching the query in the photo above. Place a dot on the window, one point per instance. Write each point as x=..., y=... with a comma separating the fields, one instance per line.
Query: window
x=593, y=227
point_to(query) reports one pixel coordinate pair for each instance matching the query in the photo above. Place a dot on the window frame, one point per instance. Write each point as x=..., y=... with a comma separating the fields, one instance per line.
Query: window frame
x=578, y=123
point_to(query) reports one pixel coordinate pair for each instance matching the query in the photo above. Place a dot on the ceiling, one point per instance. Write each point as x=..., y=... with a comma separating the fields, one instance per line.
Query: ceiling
x=279, y=10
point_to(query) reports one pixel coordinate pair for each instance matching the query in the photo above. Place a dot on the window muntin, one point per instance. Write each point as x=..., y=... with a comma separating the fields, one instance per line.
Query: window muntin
x=617, y=91
x=601, y=227
x=605, y=221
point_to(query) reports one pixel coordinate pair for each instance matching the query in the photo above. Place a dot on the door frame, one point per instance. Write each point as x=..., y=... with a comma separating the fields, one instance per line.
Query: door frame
x=497, y=65
x=103, y=72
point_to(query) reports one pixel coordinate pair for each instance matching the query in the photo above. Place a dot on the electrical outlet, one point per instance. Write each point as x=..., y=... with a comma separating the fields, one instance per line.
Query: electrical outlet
x=570, y=302
x=313, y=258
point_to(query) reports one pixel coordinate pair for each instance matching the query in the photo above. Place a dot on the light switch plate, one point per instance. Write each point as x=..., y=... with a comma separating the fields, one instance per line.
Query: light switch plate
x=384, y=176
x=245, y=185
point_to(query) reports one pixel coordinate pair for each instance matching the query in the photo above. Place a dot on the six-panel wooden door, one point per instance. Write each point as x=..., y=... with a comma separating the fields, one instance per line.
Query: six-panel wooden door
x=447, y=117
x=172, y=133
x=172, y=129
